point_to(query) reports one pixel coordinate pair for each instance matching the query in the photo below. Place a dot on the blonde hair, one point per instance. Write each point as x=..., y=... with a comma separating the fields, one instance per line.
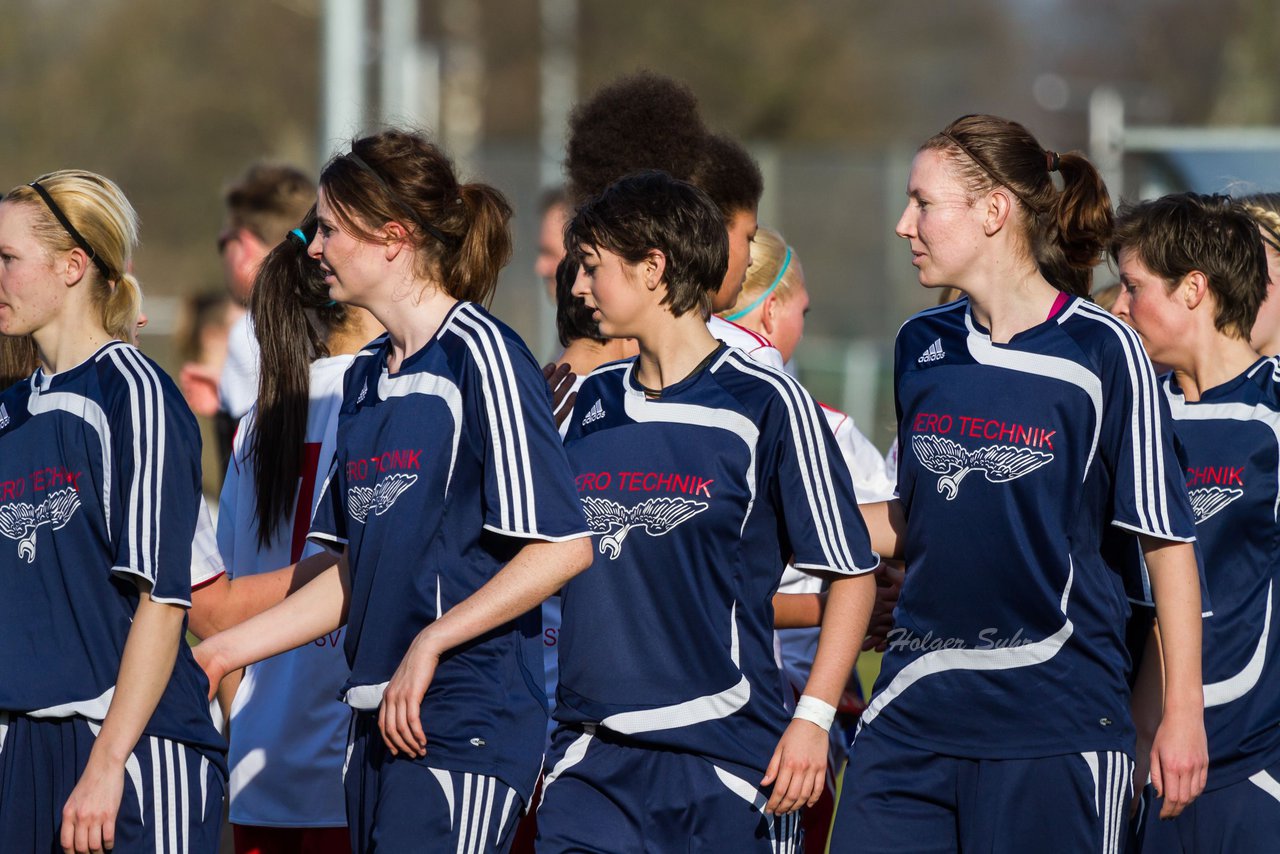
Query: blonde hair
x=773, y=265
x=1265, y=210
x=99, y=211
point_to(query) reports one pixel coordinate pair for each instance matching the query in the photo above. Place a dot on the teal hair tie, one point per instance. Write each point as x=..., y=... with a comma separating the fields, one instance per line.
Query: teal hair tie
x=786, y=262
x=302, y=238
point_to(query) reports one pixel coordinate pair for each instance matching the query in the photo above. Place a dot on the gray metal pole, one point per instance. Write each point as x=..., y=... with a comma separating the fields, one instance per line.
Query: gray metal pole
x=342, y=73
x=400, y=75
x=1106, y=138
x=558, y=88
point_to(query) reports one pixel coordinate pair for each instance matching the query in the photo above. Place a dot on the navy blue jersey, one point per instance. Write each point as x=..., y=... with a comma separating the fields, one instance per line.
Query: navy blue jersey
x=1015, y=459
x=697, y=500
x=443, y=471
x=99, y=490
x=1232, y=441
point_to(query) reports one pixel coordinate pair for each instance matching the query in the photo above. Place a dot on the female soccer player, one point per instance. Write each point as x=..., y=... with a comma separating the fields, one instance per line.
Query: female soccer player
x=105, y=736
x=1029, y=422
x=451, y=501
x=288, y=734
x=1194, y=273
x=701, y=472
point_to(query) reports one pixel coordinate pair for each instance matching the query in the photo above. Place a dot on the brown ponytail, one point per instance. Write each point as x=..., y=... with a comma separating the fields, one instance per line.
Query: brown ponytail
x=471, y=272
x=1066, y=230
x=460, y=231
x=18, y=359
x=292, y=317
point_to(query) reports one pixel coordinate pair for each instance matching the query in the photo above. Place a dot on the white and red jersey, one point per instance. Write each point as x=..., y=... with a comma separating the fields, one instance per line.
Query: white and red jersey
x=797, y=647
x=206, y=560
x=753, y=344
x=289, y=729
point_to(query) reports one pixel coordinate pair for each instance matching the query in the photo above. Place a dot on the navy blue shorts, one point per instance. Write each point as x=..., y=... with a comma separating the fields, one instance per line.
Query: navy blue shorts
x=897, y=799
x=402, y=804
x=604, y=794
x=172, y=799
x=1243, y=818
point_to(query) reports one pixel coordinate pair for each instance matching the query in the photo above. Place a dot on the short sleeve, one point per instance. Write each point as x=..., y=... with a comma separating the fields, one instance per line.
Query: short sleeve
x=871, y=483
x=238, y=385
x=1149, y=495
x=329, y=522
x=814, y=488
x=155, y=471
x=528, y=487
x=206, y=562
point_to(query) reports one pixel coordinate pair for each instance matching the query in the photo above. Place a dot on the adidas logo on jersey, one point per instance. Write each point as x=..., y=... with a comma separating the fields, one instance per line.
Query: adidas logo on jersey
x=594, y=414
x=4, y=417
x=933, y=354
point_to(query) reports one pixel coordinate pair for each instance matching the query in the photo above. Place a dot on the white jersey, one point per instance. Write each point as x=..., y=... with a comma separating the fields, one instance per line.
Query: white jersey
x=870, y=484
x=288, y=729
x=238, y=385
x=206, y=561
x=754, y=345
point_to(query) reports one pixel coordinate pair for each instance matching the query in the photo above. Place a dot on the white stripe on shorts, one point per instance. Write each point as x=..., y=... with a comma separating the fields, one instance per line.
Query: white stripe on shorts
x=1266, y=783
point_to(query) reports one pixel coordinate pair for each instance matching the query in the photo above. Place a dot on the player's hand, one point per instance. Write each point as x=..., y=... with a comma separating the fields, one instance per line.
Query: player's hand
x=89, y=816
x=400, y=716
x=889, y=578
x=798, y=769
x=560, y=380
x=200, y=388
x=1179, y=760
x=210, y=662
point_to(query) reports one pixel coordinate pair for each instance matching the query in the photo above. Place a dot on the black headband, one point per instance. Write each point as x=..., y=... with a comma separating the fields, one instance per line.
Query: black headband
x=992, y=175
x=71, y=230
x=1270, y=236
x=400, y=203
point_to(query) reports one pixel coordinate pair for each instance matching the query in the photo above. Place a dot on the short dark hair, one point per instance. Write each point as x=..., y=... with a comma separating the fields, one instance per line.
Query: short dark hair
x=268, y=200
x=1177, y=234
x=652, y=210
x=641, y=121
x=573, y=318
x=730, y=176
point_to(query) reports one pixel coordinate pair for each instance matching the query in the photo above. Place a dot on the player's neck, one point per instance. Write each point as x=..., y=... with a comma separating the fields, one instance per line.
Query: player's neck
x=67, y=342
x=584, y=355
x=412, y=317
x=671, y=351
x=359, y=330
x=1012, y=303
x=1219, y=359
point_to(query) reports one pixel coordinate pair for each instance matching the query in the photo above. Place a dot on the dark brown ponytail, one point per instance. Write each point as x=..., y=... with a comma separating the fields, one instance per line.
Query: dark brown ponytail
x=461, y=231
x=292, y=318
x=1066, y=230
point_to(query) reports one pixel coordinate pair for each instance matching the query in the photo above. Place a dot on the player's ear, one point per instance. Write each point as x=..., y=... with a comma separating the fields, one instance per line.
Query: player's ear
x=654, y=268
x=394, y=237
x=1193, y=288
x=769, y=314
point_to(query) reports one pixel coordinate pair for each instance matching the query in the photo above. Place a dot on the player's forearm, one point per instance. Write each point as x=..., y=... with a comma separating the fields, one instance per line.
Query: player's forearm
x=319, y=607
x=844, y=625
x=1147, y=703
x=1175, y=586
x=227, y=602
x=537, y=571
x=887, y=527
x=798, y=610
x=145, y=667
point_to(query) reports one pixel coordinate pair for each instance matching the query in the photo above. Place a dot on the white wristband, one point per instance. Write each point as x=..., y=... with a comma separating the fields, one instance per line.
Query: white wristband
x=815, y=711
